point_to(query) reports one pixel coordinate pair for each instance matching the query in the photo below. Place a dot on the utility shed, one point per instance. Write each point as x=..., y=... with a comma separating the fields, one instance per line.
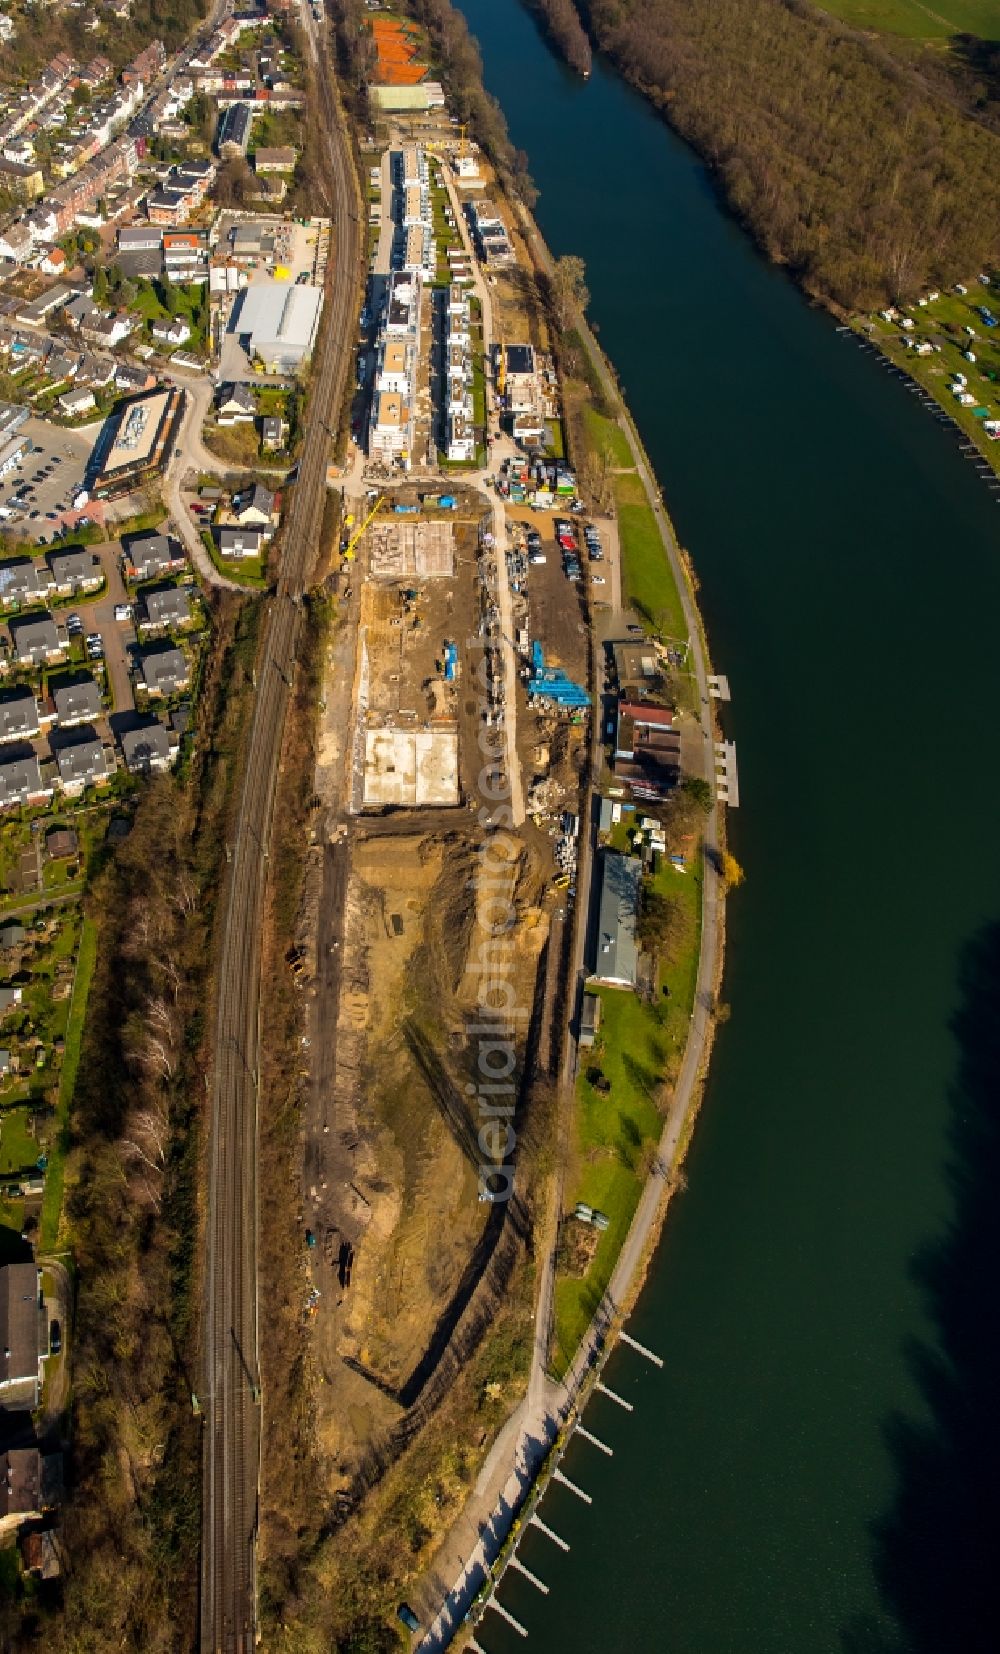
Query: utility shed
x=590, y=1018
x=615, y=951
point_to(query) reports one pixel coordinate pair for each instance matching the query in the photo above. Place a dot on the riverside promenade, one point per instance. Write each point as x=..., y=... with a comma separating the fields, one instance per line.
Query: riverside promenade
x=518, y=1466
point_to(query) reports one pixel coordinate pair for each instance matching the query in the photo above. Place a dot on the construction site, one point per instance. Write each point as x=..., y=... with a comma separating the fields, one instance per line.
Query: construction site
x=405, y=1256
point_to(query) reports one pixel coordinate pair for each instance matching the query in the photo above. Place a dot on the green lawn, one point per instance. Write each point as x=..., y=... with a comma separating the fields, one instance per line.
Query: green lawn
x=246, y=571
x=606, y=434
x=646, y=574
x=935, y=21
x=18, y=1146
x=638, y=1046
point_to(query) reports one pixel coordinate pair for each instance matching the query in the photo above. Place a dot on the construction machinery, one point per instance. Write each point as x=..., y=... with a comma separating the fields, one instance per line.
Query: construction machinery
x=349, y=549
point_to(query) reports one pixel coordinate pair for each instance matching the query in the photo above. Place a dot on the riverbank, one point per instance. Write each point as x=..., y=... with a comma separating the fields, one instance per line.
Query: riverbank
x=946, y=349
x=773, y=1459
x=836, y=266
x=529, y=1450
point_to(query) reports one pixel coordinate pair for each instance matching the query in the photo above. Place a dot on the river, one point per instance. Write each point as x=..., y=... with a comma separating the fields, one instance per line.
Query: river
x=809, y=1473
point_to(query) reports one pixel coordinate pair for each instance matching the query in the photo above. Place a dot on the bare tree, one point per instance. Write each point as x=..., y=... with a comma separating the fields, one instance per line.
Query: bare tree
x=569, y=289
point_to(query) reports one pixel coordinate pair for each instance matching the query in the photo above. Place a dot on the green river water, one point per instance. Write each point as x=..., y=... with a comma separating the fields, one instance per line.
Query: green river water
x=811, y=1471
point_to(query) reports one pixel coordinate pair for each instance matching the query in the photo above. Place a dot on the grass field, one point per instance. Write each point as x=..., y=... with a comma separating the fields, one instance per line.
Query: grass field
x=52, y=1197
x=18, y=1146
x=639, y=1046
x=921, y=22
x=646, y=574
x=606, y=435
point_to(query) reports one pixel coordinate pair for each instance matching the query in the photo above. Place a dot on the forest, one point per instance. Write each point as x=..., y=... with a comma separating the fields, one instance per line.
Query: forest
x=563, y=26
x=870, y=182
x=44, y=30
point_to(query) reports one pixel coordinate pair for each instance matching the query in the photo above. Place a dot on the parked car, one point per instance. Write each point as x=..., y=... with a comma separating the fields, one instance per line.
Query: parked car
x=55, y=1337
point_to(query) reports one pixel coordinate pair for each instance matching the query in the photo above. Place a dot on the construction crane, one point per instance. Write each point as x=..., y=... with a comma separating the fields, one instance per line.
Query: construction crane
x=463, y=147
x=349, y=549
x=501, y=369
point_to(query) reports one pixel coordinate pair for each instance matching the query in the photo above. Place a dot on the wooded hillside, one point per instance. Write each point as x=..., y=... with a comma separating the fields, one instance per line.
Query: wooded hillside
x=850, y=168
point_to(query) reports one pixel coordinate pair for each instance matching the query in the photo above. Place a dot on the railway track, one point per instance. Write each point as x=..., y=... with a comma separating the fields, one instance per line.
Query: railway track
x=231, y=1375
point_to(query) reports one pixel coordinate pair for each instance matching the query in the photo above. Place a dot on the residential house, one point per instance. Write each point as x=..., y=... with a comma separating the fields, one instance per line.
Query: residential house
x=16, y=243
x=23, y=582
x=616, y=954
x=254, y=508
x=80, y=311
x=235, y=405
x=10, y=999
x=53, y=261
x=233, y=135
x=240, y=542
x=84, y=764
x=62, y=366
x=21, y=781
x=12, y=934
x=165, y=670
x=77, y=703
x=170, y=607
x=148, y=555
x=176, y=331
x=273, y=432
x=281, y=159
x=131, y=378
x=74, y=403
x=37, y=642
x=61, y=843
x=18, y=716
x=75, y=571
x=21, y=1343
x=107, y=331
x=21, y=179
x=147, y=750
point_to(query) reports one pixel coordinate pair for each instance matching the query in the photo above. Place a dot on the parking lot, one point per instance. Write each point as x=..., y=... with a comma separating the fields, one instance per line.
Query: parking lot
x=555, y=601
x=38, y=493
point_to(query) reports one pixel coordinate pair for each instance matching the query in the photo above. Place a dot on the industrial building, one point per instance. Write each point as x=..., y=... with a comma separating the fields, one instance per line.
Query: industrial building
x=276, y=323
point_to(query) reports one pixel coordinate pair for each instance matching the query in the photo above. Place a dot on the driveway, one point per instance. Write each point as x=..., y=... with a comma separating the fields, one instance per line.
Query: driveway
x=115, y=634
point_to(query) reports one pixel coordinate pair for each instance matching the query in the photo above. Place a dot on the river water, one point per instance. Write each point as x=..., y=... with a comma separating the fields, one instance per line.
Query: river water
x=809, y=1473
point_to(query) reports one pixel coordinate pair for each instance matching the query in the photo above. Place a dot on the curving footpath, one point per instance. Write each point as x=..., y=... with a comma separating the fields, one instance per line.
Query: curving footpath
x=510, y=1472
x=230, y=1394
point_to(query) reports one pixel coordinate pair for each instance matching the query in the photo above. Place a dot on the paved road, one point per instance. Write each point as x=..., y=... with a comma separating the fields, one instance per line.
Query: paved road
x=190, y=454
x=115, y=634
x=230, y=1382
